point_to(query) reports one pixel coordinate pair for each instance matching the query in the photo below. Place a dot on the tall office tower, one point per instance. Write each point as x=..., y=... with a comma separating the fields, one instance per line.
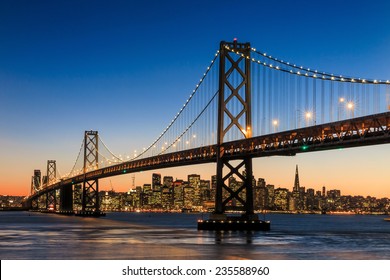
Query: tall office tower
x=156, y=180
x=37, y=178
x=271, y=196
x=168, y=181
x=178, y=194
x=296, y=181
x=194, y=182
x=204, y=190
x=213, y=187
x=261, y=182
x=36, y=181
x=188, y=197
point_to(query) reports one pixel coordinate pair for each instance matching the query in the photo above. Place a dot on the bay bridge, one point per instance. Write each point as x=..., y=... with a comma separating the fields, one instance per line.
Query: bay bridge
x=247, y=104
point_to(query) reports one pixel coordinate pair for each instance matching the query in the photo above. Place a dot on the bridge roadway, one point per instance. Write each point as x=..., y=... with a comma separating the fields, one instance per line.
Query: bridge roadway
x=362, y=131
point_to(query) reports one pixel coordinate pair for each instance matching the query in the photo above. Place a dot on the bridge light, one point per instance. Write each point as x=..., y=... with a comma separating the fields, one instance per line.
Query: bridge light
x=341, y=99
x=304, y=147
x=350, y=105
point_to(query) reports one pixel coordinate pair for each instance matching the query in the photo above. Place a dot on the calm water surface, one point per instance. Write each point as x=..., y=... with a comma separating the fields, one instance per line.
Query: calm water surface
x=25, y=235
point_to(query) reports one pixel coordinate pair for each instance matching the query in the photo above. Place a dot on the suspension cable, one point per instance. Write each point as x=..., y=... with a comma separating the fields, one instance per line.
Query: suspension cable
x=303, y=71
x=78, y=156
x=315, y=73
x=188, y=127
x=105, y=146
x=182, y=109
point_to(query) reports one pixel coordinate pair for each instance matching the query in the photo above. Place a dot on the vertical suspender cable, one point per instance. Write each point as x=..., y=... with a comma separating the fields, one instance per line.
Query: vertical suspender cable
x=331, y=102
x=264, y=95
x=322, y=101
x=314, y=101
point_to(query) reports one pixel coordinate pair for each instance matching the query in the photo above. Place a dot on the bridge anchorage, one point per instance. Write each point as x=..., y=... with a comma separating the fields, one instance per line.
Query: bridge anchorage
x=229, y=119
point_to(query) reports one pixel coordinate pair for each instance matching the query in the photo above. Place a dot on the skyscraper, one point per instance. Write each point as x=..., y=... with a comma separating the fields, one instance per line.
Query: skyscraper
x=296, y=181
x=168, y=181
x=194, y=182
x=297, y=199
x=156, y=180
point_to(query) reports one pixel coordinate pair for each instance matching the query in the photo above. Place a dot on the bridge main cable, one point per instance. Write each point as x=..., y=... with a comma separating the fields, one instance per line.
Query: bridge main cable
x=304, y=71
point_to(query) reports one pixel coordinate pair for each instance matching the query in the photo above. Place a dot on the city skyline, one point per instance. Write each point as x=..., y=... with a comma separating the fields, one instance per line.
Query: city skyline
x=108, y=186
x=196, y=193
x=65, y=71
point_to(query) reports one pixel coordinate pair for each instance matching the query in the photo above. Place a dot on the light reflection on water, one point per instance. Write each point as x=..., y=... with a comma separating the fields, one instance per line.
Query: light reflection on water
x=26, y=235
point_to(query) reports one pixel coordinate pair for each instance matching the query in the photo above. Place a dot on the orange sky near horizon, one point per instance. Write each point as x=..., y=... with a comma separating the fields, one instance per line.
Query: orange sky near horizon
x=354, y=171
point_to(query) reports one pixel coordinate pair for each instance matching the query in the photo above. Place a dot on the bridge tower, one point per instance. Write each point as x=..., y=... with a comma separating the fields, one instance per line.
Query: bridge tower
x=51, y=176
x=229, y=119
x=90, y=192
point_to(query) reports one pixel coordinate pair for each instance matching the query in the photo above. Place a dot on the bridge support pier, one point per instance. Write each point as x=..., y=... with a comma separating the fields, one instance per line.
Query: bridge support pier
x=41, y=201
x=234, y=190
x=90, y=206
x=51, y=201
x=66, y=200
x=234, y=195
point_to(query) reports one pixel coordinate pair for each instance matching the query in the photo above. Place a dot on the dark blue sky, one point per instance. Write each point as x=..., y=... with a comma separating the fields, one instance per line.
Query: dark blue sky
x=118, y=66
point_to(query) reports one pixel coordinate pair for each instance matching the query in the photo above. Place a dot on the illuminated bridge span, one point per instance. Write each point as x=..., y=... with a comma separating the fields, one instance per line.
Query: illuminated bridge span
x=247, y=104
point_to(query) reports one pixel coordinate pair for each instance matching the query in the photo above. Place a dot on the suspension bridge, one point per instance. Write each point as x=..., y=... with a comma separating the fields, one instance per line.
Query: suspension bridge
x=247, y=104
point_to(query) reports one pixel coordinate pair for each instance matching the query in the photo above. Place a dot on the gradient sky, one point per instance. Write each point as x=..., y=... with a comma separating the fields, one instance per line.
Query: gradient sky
x=125, y=68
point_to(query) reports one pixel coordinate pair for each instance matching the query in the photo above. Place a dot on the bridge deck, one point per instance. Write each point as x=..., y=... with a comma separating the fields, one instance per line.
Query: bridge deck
x=362, y=131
